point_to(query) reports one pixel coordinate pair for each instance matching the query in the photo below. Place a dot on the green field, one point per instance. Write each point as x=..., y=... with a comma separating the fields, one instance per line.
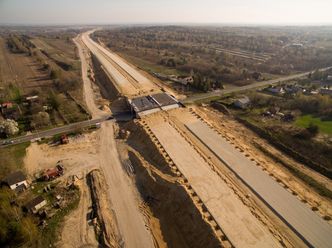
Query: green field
x=11, y=158
x=306, y=120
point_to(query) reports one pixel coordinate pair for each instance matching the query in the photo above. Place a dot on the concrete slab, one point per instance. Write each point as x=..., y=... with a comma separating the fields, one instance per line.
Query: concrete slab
x=310, y=227
x=235, y=219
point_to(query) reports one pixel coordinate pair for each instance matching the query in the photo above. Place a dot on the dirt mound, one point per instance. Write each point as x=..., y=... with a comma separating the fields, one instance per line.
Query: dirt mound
x=140, y=141
x=106, y=228
x=181, y=223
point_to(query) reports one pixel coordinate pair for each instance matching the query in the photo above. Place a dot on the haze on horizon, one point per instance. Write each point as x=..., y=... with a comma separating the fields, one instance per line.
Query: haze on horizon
x=283, y=12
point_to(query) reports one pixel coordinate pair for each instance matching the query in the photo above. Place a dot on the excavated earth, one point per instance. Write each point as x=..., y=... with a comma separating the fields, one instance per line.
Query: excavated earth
x=181, y=223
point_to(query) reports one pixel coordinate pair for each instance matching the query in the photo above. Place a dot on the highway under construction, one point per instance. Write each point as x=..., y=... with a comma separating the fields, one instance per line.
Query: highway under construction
x=241, y=204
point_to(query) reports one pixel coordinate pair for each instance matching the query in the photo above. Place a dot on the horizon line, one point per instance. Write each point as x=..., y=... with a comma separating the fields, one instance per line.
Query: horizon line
x=169, y=23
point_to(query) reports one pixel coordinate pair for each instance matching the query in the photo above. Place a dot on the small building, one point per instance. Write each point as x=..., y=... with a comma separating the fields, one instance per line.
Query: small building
x=16, y=181
x=292, y=89
x=288, y=117
x=276, y=90
x=10, y=110
x=32, y=98
x=274, y=110
x=326, y=91
x=35, y=205
x=186, y=80
x=161, y=76
x=314, y=92
x=329, y=78
x=7, y=105
x=242, y=102
x=296, y=45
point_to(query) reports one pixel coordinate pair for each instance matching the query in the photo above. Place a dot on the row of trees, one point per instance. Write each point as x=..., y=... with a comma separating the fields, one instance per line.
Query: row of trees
x=320, y=105
x=16, y=45
x=63, y=80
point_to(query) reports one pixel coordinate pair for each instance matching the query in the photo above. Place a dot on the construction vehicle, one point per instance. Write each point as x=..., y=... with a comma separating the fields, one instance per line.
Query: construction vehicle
x=53, y=173
x=64, y=139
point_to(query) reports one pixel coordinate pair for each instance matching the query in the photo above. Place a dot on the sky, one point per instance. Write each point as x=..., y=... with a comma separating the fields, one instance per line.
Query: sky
x=283, y=12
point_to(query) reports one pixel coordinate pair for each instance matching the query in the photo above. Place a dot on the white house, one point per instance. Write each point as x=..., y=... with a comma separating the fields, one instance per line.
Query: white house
x=242, y=102
x=35, y=204
x=32, y=98
x=326, y=91
x=276, y=90
x=186, y=80
x=16, y=181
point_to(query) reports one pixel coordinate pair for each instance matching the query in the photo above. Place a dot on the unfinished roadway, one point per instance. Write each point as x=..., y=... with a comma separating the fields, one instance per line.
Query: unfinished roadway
x=234, y=218
x=122, y=198
x=240, y=226
x=309, y=226
x=128, y=81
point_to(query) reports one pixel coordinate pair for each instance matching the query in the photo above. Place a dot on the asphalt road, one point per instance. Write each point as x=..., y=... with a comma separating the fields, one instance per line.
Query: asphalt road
x=198, y=97
x=308, y=225
x=52, y=132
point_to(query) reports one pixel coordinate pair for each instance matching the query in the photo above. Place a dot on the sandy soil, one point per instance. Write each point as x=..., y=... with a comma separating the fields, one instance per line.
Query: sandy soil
x=80, y=154
x=77, y=232
x=89, y=95
x=107, y=227
x=233, y=217
x=78, y=158
x=120, y=192
x=129, y=81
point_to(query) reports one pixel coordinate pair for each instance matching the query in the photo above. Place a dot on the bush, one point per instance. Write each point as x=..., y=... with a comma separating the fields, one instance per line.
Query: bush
x=54, y=100
x=41, y=119
x=313, y=129
x=54, y=74
x=15, y=229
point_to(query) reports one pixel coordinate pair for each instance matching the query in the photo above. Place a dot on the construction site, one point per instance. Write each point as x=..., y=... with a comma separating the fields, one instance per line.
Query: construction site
x=157, y=173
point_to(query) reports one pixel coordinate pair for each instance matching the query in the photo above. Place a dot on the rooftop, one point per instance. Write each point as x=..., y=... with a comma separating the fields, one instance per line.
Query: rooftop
x=143, y=103
x=164, y=99
x=34, y=202
x=243, y=100
x=14, y=178
x=156, y=101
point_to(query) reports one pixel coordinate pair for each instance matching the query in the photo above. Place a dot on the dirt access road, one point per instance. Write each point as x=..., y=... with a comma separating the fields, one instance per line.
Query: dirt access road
x=123, y=197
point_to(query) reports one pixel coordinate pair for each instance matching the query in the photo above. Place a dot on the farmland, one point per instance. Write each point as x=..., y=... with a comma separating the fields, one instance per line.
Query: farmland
x=40, y=82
